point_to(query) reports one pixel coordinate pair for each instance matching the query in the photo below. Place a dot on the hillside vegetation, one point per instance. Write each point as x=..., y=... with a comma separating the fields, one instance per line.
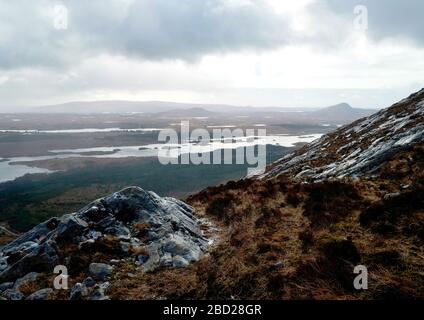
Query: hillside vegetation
x=282, y=239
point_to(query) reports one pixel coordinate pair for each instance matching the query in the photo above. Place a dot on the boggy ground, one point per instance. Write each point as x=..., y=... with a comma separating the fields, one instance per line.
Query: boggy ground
x=285, y=239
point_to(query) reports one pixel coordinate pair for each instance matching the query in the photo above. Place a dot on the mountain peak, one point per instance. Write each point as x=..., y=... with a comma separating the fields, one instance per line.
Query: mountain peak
x=341, y=113
x=343, y=105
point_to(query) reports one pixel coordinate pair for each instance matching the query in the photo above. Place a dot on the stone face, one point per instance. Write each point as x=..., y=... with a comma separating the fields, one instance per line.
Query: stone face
x=42, y=294
x=100, y=291
x=30, y=277
x=179, y=262
x=5, y=286
x=118, y=230
x=3, y=263
x=33, y=235
x=89, y=282
x=40, y=258
x=125, y=246
x=150, y=230
x=11, y=294
x=100, y=271
x=23, y=248
x=141, y=259
x=95, y=214
x=389, y=196
x=70, y=228
x=162, y=253
x=93, y=235
x=78, y=292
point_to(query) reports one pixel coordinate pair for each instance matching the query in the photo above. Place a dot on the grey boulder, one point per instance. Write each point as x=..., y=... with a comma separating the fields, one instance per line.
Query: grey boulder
x=5, y=286
x=3, y=263
x=100, y=271
x=78, y=292
x=11, y=294
x=42, y=294
x=100, y=291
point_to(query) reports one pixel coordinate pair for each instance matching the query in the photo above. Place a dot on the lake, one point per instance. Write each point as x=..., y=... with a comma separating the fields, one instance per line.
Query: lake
x=10, y=171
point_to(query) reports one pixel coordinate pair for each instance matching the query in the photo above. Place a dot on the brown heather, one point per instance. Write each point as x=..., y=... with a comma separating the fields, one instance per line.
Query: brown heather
x=284, y=239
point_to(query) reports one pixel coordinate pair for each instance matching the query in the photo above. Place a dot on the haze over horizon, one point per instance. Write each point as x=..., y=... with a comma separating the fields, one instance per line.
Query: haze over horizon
x=176, y=105
x=236, y=52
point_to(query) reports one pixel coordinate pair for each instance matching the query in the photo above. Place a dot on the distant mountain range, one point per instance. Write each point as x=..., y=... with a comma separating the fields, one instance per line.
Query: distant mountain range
x=121, y=106
x=338, y=114
x=190, y=112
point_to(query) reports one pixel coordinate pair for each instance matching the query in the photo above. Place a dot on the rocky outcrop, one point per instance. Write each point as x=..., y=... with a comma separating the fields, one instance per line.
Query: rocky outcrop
x=144, y=228
x=359, y=148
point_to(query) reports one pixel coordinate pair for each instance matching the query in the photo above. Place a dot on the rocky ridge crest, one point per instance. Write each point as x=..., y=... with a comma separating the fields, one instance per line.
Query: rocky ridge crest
x=358, y=148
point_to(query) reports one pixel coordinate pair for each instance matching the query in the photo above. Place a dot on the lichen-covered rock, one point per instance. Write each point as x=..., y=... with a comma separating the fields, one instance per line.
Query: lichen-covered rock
x=40, y=258
x=100, y=290
x=78, y=292
x=3, y=263
x=163, y=251
x=150, y=230
x=42, y=294
x=6, y=285
x=89, y=282
x=71, y=228
x=32, y=236
x=100, y=271
x=11, y=294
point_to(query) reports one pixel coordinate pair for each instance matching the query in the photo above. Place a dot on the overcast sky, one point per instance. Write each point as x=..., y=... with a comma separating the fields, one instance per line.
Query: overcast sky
x=302, y=53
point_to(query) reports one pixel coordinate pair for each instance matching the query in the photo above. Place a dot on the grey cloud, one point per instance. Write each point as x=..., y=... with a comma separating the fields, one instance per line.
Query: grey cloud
x=150, y=29
x=387, y=18
x=28, y=38
x=180, y=29
x=186, y=29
